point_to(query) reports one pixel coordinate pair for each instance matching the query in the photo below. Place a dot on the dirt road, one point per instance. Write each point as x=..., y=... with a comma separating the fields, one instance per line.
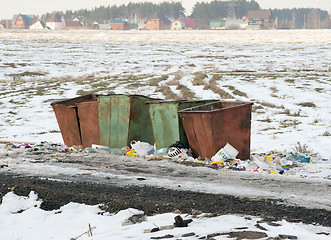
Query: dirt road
x=163, y=186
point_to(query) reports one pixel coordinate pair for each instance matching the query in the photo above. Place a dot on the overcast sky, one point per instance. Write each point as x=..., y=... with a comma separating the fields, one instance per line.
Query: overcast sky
x=38, y=7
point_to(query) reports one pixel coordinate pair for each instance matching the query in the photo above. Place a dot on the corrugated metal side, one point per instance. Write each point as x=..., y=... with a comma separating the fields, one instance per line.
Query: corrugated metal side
x=167, y=126
x=114, y=116
x=165, y=123
x=89, y=123
x=209, y=131
x=67, y=120
x=140, y=121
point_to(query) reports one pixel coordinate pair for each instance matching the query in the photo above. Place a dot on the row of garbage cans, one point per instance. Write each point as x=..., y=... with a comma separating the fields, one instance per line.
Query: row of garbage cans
x=115, y=120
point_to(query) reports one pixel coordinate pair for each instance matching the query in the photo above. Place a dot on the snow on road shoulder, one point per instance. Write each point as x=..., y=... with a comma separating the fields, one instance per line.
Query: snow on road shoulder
x=22, y=218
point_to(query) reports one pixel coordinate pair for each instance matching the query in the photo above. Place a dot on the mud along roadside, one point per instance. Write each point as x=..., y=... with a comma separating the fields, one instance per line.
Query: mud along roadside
x=162, y=186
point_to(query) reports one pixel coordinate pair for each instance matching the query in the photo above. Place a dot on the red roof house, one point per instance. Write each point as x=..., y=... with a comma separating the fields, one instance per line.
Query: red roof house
x=190, y=23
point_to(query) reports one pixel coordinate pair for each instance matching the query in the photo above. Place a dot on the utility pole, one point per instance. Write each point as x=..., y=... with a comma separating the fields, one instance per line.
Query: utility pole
x=304, y=21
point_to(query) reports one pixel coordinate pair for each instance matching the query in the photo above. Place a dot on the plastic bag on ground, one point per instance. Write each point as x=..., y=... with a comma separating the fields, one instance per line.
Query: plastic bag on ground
x=142, y=148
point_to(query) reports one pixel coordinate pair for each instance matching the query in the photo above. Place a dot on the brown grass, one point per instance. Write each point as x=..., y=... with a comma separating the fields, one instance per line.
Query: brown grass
x=307, y=104
x=155, y=81
x=270, y=105
x=268, y=120
x=168, y=94
x=290, y=80
x=289, y=123
x=274, y=89
x=186, y=93
x=175, y=81
x=257, y=107
x=288, y=113
x=301, y=148
x=199, y=78
x=239, y=93
x=326, y=134
x=212, y=85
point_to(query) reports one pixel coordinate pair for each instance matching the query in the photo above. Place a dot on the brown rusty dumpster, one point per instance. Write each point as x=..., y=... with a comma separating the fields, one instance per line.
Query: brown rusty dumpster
x=209, y=127
x=67, y=118
x=89, y=122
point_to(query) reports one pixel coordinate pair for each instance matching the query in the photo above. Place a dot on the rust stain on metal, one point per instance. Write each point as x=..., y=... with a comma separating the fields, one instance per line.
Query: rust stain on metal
x=68, y=123
x=209, y=127
x=68, y=120
x=89, y=123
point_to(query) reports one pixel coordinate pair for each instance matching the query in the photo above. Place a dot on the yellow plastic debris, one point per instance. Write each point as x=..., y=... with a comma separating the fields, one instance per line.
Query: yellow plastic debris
x=268, y=157
x=131, y=153
x=219, y=162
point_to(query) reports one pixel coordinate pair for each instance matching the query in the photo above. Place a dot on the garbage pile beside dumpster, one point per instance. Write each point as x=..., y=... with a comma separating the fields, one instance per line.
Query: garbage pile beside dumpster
x=116, y=120
x=207, y=132
x=210, y=133
x=275, y=162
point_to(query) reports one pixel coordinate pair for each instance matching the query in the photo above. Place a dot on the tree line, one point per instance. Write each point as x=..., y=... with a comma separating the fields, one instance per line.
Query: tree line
x=203, y=12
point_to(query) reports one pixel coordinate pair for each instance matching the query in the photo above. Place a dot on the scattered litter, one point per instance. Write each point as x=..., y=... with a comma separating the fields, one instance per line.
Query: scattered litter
x=135, y=218
x=130, y=153
x=33, y=160
x=141, y=149
x=225, y=153
x=179, y=222
x=274, y=162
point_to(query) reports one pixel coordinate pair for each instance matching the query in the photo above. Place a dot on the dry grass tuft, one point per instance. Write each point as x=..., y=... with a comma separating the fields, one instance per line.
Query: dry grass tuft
x=175, y=81
x=257, y=107
x=199, y=78
x=290, y=80
x=167, y=92
x=274, y=89
x=289, y=123
x=301, y=148
x=267, y=119
x=240, y=93
x=270, y=105
x=178, y=76
x=186, y=93
x=155, y=81
x=307, y=104
x=326, y=134
x=288, y=113
x=212, y=85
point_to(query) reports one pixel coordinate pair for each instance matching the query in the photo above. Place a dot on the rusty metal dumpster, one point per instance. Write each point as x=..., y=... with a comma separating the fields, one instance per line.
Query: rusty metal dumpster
x=123, y=118
x=167, y=126
x=209, y=127
x=67, y=118
x=89, y=122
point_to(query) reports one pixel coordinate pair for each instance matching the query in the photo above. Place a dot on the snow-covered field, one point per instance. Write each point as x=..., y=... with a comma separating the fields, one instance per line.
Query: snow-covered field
x=287, y=74
x=22, y=218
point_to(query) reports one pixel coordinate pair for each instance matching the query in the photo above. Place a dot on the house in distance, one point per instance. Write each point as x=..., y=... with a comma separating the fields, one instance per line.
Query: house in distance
x=23, y=21
x=119, y=25
x=158, y=22
x=56, y=22
x=260, y=19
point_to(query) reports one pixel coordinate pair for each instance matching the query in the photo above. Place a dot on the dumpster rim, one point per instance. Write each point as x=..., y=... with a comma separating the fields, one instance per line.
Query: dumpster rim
x=179, y=101
x=191, y=109
x=63, y=101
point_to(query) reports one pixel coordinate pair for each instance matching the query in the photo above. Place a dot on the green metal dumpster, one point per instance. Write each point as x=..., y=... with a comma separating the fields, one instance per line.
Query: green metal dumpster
x=211, y=126
x=67, y=118
x=167, y=126
x=123, y=118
